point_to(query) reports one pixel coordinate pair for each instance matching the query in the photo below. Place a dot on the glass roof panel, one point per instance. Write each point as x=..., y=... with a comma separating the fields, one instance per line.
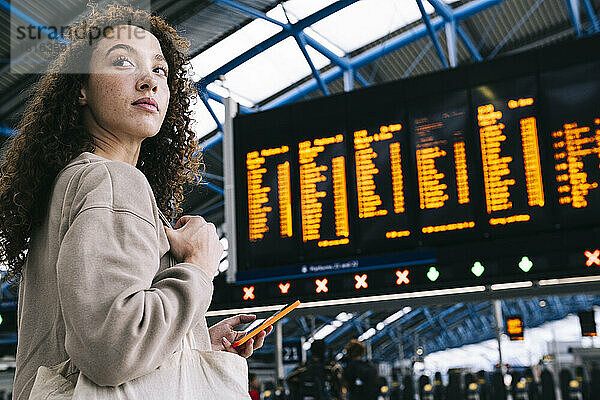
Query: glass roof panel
x=368, y=20
x=232, y=46
x=272, y=70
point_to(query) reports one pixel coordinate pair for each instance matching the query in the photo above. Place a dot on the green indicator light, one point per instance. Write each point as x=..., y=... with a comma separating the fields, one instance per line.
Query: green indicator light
x=477, y=269
x=1, y=319
x=433, y=274
x=525, y=264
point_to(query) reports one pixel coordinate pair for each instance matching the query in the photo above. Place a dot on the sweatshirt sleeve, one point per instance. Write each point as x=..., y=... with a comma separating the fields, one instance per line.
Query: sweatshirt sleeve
x=122, y=319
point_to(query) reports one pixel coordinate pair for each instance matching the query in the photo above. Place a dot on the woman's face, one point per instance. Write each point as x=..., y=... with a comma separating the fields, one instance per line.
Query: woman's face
x=127, y=65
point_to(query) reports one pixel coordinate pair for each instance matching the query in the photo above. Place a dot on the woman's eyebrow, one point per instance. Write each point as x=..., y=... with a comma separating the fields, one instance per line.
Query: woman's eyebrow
x=130, y=49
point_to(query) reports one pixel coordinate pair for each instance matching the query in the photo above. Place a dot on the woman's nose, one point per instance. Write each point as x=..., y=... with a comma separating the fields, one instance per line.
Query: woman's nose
x=147, y=81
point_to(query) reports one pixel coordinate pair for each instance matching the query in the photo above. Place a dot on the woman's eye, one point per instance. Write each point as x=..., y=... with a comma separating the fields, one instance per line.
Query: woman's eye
x=119, y=60
x=164, y=70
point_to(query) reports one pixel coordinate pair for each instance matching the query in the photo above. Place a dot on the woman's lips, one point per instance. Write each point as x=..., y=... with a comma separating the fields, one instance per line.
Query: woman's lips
x=147, y=107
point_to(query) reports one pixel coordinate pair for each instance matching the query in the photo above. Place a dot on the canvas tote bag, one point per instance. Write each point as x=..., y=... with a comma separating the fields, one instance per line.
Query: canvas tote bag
x=188, y=374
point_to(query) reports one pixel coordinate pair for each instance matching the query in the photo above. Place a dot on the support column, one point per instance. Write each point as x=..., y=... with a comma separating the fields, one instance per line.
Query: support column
x=451, y=41
x=499, y=330
x=228, y=186
x=348, y=80
x=279, y=350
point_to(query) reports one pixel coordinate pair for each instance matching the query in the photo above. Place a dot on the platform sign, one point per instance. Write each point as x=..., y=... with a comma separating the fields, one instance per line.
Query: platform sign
x=587, y=322
x=291, y=352
x=514, y=327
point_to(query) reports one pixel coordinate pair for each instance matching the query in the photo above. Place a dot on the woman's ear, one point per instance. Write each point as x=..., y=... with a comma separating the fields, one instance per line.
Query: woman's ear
x=82, y=99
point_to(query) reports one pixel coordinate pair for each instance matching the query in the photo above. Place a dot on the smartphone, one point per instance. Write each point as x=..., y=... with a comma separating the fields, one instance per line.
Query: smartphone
x=267, y=322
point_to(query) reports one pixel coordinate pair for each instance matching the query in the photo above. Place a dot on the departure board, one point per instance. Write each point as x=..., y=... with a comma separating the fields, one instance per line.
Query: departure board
x=265, y=172
x=269, y=193
x=323, y=191
x=443, y=171
x=323, y=169
x=380, y=182
x=573, y=122
x=399, y=176
x=380, y=173
x=510, y=151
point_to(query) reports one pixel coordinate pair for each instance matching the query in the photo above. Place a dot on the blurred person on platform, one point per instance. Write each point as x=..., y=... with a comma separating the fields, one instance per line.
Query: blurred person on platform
x=87, y=190
x=318, y=378
x=548, y=386
x=254, y=386
x=360, y=376
x=533, y=390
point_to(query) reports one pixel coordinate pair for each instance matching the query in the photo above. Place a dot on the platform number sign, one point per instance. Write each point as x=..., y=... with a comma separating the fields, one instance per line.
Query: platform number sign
x=291, y=352
x=514, y=327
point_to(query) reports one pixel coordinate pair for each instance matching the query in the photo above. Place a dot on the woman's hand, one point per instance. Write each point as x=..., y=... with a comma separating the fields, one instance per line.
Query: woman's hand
x=195, y=241
x=222, y=335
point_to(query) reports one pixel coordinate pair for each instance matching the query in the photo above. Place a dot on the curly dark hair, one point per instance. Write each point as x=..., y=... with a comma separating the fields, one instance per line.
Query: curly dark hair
x=51, y=132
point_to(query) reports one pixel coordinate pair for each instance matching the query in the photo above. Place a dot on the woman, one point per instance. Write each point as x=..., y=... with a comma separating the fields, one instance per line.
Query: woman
x=103, y=150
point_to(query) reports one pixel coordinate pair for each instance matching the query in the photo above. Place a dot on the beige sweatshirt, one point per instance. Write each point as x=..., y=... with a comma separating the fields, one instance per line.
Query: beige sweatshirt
x=97, y=286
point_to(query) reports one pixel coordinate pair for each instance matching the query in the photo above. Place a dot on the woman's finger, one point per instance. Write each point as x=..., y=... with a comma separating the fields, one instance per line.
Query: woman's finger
x=260, y=340
x=182, y=221
x=239, y=319
x=247, y=349
x=228, y=346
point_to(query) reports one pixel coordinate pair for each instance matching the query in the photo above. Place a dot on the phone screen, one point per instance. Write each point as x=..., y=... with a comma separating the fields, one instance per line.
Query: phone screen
x=268, y=322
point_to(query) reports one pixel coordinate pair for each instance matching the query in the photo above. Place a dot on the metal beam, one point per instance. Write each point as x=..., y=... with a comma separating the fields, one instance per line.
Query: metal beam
x=592, y=15
x=354, y=322
x=394, y=325
x=213, y=176
x=443, y=9
x=204, y=98
x=287, y=27
x=432, y=34
x=252, y=12
x=337, y=60
x=216, y=138
x=210, y=208
x=451, y=42
x=467, y=41
x=573, y=9
x=214, y=187
x=515, y=28
x=212, y=95
x=361, y=79
x=302, y=44
x=278, y=37
x=6, y=131
x=348, y=80
x=417, y=59
x=13, y=11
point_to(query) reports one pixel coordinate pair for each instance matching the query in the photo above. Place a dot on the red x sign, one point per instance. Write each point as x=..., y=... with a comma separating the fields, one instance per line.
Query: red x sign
x=402, y=277
x=592, y=258
x=321, y=285
x=249, y=293
x=284, y=287
x=361, y=281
